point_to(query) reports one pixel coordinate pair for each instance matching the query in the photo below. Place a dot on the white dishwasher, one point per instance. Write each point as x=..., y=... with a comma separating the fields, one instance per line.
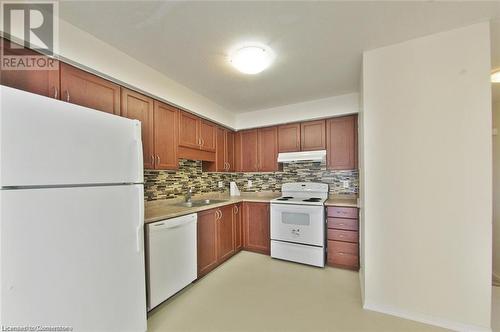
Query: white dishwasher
x=171, y=257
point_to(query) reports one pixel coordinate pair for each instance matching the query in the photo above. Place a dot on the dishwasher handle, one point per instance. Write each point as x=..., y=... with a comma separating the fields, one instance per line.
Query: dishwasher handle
x=173, y=223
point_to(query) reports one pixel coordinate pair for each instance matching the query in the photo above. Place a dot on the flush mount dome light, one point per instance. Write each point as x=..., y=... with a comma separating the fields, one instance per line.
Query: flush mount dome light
x=495, y=77
x=251, y=59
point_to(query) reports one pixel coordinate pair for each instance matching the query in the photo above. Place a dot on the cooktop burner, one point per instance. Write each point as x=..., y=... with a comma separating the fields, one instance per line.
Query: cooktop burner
x=286, y=198
x=313, y=199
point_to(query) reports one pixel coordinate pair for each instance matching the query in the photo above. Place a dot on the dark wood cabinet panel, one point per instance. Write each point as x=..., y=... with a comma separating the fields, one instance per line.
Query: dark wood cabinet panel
x=165, y=136
x=206, y=241
x=342, y=143
x=289, y=138
x=238, y=227
x=85, y=89
x=249, y=150
x=313, y=135
x=341, y=235
x=42, y=82
x=268, y=149
x=343, y=254
x=229, y=145
x=139, y=107
x=188, y=130
x=256, y=227
x=342, y=212
x=237, y=152
x=225, y=233
x=207, y=135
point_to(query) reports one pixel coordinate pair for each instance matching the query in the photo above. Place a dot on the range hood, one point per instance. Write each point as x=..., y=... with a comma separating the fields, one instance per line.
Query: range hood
x=288, y=157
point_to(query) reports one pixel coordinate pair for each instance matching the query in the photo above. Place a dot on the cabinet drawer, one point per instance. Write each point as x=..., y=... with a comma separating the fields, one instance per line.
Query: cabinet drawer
x=343, y=212
x=341, y=223
x=344, y=254
x=346, y=236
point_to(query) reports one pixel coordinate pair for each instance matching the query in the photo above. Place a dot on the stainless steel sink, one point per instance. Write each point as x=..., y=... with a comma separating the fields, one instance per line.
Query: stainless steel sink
x=201, y=202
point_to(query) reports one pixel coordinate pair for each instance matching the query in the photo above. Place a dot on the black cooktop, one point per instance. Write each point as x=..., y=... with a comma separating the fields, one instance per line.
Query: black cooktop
x=286, y=198
x=312, y=199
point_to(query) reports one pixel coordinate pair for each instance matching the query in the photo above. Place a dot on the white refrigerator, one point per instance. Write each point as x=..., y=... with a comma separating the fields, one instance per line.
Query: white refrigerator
x=71, y=216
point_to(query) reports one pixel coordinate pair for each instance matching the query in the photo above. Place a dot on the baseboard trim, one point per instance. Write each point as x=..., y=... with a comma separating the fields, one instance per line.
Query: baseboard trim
x=424, y=318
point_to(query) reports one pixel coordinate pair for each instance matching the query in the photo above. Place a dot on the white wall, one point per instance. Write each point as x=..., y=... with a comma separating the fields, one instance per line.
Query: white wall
x=496, y=190
x=427, y=188
x=314, y=109
x=84, y=49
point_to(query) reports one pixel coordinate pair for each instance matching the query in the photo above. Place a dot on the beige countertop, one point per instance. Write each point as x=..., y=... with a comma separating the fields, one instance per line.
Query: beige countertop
x=342, y=200
x=169, y=208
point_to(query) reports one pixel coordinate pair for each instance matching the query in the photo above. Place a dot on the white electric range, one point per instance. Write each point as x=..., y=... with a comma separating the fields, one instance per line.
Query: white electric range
x=298, y=223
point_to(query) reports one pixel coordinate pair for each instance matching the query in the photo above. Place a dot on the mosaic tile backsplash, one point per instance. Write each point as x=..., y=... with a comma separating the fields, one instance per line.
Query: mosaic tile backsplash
x=172, y=184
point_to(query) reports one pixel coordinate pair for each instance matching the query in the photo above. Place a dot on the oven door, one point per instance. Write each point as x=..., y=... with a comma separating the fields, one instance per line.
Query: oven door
x=298, y=223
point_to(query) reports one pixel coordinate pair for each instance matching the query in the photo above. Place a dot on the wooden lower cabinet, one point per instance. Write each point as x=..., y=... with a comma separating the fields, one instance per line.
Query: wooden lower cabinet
x=225, y=233
x=256, y=227
x=238, y=227
x=206, y=241
x=343, y=237
x=216, y=237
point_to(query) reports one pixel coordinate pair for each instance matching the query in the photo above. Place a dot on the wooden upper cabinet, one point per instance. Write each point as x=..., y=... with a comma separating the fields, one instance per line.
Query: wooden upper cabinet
x=313, y=135
x=249, y=150
x=229, y=153
x=256, y=227
x=188, y=130
x=165, y=136
x=207, y=135
x=85, y=89
x=139, y=107
x=268, y=149
x=289, y=138
x=237, y=152
x=225, y=233
x=206, y=241
x=342, y=141
x=42, y=82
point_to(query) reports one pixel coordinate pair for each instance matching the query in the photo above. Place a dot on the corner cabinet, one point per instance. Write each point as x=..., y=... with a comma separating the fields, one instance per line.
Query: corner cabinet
x=342, y=143
x=256, y=227
x=139, y=107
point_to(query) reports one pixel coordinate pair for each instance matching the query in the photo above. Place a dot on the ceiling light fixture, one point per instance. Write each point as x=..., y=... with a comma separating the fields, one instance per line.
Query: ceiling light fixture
x=495, y=77
x=251, y=59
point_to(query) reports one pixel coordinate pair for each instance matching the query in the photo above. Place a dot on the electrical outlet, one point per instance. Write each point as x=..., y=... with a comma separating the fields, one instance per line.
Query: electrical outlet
x=345, y=184
x=221, y=184
x=249, y=184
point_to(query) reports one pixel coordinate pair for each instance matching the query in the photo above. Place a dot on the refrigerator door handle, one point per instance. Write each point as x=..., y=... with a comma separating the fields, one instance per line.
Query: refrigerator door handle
x=140, y=226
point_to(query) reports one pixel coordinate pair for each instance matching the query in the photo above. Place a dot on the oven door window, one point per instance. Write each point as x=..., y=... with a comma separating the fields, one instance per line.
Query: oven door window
x=295, y=218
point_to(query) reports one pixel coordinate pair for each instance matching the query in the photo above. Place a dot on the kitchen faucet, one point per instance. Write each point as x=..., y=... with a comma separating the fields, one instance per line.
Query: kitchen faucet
x=189, y=193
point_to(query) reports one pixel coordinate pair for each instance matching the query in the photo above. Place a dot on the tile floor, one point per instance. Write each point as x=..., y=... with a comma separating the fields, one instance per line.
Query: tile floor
x=253, y=292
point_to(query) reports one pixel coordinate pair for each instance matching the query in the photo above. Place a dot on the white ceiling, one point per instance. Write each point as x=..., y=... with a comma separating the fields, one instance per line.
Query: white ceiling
x=319, y=45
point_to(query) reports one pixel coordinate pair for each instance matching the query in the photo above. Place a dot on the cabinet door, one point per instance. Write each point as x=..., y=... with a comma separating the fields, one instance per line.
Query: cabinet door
x=342, y=143
x=289, y=138
x=256, y=227
x=268, y=149
x=313, y=135
x=139, y=107
x=249, y=150
x=237, y=152
x=206, y=241
x=165, y=136
x=220, y=152
x=188, y=130
x=238, y=227
x=42, y=82
x=230, y=151
x=207, y=136
x=225, y=233
x=82, y=88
